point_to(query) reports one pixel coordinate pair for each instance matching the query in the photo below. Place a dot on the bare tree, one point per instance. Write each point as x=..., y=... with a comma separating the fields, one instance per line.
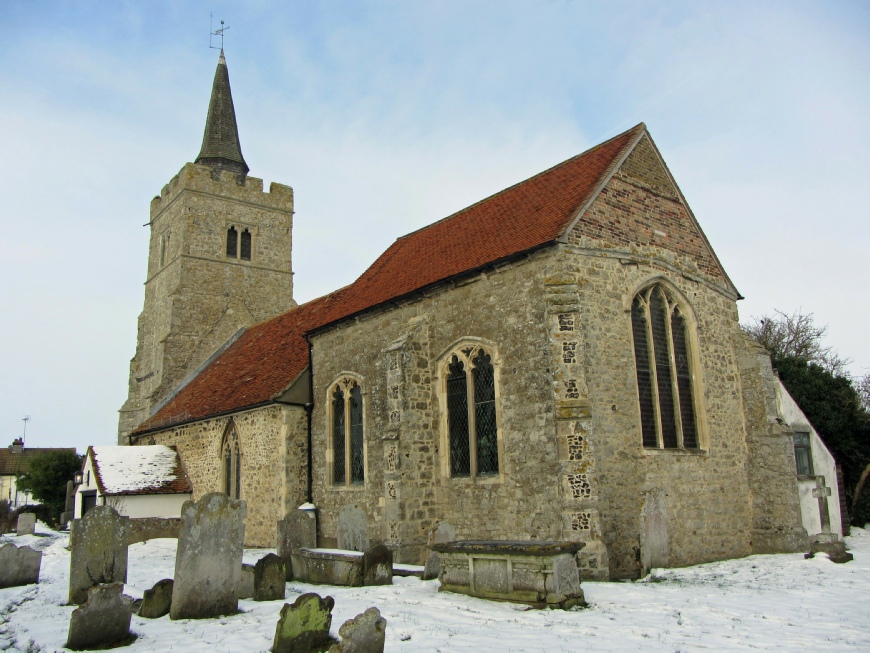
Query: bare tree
x=796, y=334
x=862, y=385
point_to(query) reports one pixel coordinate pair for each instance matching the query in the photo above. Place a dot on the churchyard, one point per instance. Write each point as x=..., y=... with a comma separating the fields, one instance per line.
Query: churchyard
x=768, y=602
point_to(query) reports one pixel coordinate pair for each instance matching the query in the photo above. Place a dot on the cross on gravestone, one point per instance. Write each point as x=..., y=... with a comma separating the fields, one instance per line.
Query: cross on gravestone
x=822, y=493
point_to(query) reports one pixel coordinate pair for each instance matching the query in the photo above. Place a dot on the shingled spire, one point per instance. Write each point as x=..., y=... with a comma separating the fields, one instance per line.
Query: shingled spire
x=220, y=142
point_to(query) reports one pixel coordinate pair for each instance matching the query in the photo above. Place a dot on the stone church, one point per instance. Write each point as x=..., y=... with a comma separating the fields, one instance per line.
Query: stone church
x=559, y=361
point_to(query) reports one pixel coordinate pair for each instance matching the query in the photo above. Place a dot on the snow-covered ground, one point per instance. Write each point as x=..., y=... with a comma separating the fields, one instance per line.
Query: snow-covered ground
x=772, y=602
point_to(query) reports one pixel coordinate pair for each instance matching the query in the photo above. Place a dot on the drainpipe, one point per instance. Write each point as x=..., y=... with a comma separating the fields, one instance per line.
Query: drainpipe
x=309, y=408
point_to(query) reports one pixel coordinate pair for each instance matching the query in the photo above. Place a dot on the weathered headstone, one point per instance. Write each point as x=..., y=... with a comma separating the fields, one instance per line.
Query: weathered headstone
x=298, y=529
x=365, y=633
x=304, y=625
x=26, y=523
x=444, y=533
x=102, y=621
x=378, y=566
x=208, y=562
x=99, y=551
x=827, y=541
x=246, y=582
x=270, y=578
x=19, y=565
x=352, y=530
x=157, y=600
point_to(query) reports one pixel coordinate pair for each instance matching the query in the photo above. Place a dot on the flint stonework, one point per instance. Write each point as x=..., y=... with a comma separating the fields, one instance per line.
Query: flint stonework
x=304, y=625
x=365, y=633
x=157, y=600
x=102, y=621
x=99, y=551
x=444, y=533
x=26, y=523
x=19, y=565
x=297, y=530
x=270, y=578
x=208, y=564
x=352, y=530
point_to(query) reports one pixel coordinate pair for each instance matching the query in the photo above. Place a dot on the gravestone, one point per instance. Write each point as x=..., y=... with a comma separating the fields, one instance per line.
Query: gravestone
x=246, y=582
x=378, y=566
x=444, y=533
x=102, y=621
x=19, y=565
x=157, y=601
x=297, y=530
x=365, y=633
x=827, y=541
x=654, y=541
x=270, y=578
x=99, y=551
x=208, y=562
x=303, y=626
x=26, y=523
x=352, y=530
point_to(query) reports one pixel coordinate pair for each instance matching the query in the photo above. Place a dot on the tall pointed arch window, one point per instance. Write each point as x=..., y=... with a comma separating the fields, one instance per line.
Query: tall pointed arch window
x=346, y=433
x=232, y=242
x=471, y=413
x=231, y=458
x=665, y=379
x=240, y=242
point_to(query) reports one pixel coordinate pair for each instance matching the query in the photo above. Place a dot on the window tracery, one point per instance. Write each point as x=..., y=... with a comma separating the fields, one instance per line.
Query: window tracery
x=347, y=437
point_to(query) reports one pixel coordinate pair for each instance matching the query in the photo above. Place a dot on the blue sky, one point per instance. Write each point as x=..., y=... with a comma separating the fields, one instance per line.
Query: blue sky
x=385, y=116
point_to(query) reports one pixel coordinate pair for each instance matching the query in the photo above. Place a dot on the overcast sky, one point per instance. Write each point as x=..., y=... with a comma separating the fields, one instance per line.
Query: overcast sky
x=386, y=116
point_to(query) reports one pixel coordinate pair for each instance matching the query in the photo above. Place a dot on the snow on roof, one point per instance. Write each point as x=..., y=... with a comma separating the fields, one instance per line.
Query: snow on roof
x=138, y=470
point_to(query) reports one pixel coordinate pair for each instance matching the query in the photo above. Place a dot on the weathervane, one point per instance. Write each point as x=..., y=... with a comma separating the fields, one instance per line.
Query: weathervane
x=217, y=32
x=25, y=419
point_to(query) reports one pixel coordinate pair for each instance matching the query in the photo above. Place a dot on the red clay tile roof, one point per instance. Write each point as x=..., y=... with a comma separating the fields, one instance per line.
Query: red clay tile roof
x=170, y=480
x=18, y=463
x=269, y=356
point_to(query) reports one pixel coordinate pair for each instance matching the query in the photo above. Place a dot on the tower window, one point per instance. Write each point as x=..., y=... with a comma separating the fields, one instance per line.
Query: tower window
x=232, y=242
x=246, y=246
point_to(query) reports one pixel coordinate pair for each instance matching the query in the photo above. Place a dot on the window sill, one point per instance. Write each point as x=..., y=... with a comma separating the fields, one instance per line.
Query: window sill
x=348, y=488
x=648, y=451
x=489, y=479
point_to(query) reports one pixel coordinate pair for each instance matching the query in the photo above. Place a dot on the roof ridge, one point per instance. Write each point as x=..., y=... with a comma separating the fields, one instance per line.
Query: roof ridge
x=521, y=182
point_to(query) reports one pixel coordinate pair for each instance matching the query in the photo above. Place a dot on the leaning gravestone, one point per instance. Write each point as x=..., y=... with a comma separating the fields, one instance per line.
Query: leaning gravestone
x=99, y=551
x=352, y=530
x=246, y=582
x=365, y=633
x=297, y=530
x=270, y=578
x=19, y=565
x=102, y=621
x=26, y=523
x=378, y=566
x=444, y=533
x=208, y=563
x=304, y=626
x=157, y=600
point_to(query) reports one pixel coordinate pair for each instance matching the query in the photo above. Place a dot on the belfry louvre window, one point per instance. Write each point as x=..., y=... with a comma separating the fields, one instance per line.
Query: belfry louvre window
x=348, y=459
x=232, y=463
x=664, y=374
x=239, y=250
x=472, y=427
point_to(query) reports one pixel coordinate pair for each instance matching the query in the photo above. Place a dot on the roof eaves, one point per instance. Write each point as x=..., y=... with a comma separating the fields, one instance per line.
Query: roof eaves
x=193, y=420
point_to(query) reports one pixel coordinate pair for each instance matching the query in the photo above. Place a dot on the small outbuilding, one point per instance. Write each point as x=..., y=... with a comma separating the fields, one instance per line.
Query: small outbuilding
x=138, y=482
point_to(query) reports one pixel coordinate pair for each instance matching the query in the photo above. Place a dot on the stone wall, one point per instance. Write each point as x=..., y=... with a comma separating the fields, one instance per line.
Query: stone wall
x=274, y=462
x=142, y=529
x=195, y=297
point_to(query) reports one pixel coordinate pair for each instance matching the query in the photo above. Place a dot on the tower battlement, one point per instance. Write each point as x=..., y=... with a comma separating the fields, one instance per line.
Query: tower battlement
x=204, y=179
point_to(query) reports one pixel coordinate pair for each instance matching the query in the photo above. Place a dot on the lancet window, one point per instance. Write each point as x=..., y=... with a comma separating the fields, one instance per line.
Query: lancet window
x=239, y=245
x=346, y=432
x=665, y=378
x=472, y=418
x=231, y=453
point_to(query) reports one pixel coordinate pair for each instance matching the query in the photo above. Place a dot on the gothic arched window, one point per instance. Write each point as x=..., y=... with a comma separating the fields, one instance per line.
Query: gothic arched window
x=245, y=249
x=472, y=424
x=346, y=433
x=232, y=242
x=665, y=380
x=231, y=453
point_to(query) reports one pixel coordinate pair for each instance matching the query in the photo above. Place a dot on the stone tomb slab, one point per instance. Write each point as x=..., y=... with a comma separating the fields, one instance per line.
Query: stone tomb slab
x=99, y=551
x=208, y=563
x=26, y=523
x=541, y=574
x=103, y=621
x=19, y=565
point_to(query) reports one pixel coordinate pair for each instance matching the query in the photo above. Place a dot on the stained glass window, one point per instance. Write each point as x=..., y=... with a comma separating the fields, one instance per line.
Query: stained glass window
x=348, y=442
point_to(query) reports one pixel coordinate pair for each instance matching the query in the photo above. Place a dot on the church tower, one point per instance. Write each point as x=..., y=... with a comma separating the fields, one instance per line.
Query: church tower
x=218, y=261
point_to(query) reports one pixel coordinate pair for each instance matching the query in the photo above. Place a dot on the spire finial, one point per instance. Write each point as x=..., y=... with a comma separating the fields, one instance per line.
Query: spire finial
x=220, y=142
